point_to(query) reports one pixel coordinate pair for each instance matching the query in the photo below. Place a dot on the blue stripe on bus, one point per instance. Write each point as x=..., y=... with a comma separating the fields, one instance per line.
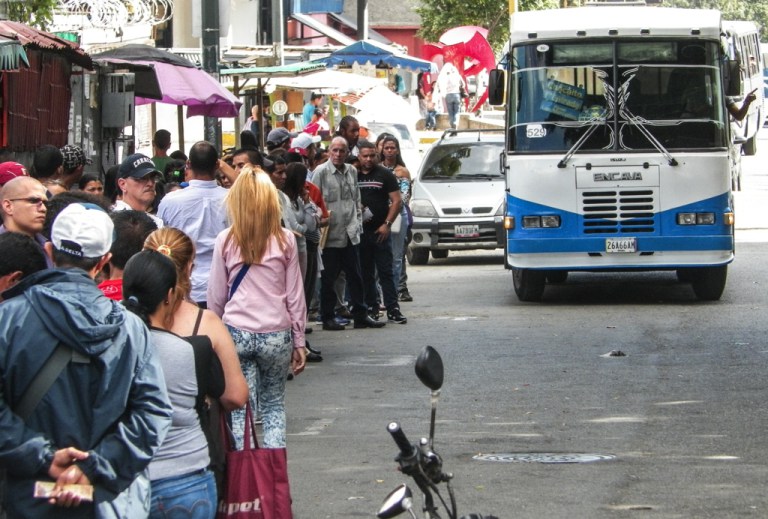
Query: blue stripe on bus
x=666, y=234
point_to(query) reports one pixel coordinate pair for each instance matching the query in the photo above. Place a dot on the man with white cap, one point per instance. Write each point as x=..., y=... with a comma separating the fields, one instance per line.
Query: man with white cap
x=83, y=398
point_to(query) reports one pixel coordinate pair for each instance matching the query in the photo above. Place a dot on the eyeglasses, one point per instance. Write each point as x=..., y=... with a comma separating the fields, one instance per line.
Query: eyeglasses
x=32, y=200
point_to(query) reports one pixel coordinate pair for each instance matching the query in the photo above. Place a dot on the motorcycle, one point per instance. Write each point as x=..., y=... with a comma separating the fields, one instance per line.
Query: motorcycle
x=419, y=460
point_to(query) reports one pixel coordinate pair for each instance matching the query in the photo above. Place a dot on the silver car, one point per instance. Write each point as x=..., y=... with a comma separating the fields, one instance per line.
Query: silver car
x=458, y=196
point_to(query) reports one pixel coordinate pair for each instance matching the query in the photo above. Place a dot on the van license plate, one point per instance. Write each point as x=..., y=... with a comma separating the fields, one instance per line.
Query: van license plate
x=467, y=231
x=613, y=245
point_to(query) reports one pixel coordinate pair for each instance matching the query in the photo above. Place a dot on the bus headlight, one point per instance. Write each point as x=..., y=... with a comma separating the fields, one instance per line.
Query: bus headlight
x=423, y=209
x=538, y=222
x=695, y=218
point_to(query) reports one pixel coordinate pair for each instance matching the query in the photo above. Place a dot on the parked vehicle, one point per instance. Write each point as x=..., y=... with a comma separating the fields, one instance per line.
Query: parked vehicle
x=458, y=196
x=419, y=460
x=409, y=149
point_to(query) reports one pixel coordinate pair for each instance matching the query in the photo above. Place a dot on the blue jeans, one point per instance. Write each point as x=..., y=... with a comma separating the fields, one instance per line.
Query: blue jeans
x=398, y=246
x=189, y=496
x=265, y=359
x=453, y=105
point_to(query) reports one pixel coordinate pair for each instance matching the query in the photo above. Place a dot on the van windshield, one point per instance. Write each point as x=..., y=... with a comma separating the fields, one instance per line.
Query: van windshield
x=463, y=162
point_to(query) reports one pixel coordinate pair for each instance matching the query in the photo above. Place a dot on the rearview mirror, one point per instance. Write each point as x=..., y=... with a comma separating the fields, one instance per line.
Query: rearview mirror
x=397, y=502
x=429, y=368
x=497, y=87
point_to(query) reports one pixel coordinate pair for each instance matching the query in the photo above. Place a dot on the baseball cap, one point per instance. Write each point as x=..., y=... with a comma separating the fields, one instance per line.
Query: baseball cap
x=278, y=136
x=136, y=166
x=83, y=230
x=305, y=140
x=74, y=156
x=11, y=170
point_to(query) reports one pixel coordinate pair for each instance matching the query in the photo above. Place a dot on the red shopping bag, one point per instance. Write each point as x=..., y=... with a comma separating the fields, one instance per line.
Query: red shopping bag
x=256, y=485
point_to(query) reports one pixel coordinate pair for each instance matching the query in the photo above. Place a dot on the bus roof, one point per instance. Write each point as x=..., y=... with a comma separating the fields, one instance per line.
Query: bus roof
x=596, y=21
x=739, y=27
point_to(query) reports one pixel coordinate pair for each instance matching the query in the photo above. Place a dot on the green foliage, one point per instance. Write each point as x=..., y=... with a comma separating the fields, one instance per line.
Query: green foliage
x=437, y=16
x=35, y=13
x=751, y=10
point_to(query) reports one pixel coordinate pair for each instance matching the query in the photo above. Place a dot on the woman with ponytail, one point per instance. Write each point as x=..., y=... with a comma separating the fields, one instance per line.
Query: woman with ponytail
x=179, y=475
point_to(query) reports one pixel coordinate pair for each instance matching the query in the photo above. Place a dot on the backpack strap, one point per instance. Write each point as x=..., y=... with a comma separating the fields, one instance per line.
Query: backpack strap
x=238, y=279
x=45, y=378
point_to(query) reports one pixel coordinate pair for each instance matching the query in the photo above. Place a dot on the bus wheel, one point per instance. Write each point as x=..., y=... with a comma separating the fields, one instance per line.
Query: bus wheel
x=750, y=147
x=529, y=284
x=686, y=275
x=417, y=256
x=709, y=282
x=557, y=276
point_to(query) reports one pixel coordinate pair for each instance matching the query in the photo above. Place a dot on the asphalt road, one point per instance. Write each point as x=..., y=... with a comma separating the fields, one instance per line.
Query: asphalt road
x=680, y=417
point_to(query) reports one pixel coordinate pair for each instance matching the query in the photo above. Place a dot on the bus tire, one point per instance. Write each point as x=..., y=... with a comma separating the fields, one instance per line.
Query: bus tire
x=439, y=253
x=750, y=147
x=709, y=282
x=557, y=276
x=417, y=256
x=528, y=284
x=686, y=275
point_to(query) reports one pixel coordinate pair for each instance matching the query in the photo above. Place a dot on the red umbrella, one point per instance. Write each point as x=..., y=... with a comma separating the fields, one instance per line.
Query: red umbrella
x=462, y=34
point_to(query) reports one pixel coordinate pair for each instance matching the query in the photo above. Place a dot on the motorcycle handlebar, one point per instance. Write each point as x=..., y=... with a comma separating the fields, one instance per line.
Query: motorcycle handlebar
x=406, y=449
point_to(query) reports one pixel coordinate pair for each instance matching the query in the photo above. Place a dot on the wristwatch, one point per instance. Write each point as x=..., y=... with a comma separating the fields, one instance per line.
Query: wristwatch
x=389, y=224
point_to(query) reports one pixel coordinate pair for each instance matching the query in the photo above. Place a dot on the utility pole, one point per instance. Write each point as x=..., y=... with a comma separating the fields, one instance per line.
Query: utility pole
x=210, y=43
x=278, y=31
x=362, y=20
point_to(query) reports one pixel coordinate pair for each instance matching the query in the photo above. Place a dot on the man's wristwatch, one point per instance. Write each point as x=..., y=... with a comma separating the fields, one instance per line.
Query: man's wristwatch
x=389, y=224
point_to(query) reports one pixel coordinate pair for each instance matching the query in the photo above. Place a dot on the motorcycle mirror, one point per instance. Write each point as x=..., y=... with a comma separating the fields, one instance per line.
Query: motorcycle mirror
x=397, y=502
x=429, y=368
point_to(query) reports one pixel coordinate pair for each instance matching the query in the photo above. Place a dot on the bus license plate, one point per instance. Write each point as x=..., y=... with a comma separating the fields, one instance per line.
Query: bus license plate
x=467, y=231
x=620, y=245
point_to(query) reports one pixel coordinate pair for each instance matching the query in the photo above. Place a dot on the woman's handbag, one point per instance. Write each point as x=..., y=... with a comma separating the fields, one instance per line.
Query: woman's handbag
x=257, y=479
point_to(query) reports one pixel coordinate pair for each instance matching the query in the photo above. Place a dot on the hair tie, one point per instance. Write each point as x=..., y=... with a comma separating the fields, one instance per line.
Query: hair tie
x=165, y=250
x=134, y=300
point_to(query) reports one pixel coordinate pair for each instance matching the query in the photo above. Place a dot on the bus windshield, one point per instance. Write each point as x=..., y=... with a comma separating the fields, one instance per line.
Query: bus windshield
x=608, y=96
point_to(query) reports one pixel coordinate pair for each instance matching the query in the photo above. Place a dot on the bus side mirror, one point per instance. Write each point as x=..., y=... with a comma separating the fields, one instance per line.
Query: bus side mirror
x=497, y=87
x=733, y=79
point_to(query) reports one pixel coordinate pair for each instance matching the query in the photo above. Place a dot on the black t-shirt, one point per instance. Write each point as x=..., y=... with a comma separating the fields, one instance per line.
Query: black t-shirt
x=375, y=188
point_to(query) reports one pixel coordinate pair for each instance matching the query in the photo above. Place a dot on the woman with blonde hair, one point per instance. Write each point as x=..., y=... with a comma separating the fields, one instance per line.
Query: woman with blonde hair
x=255, y=286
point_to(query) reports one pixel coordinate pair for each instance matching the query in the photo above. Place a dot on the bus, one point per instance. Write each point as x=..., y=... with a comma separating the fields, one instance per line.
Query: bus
x=743, y=46
x=617, y=145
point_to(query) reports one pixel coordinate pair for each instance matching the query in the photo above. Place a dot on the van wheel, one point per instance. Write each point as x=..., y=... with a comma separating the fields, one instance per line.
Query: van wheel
x=709, y=282
x=417, y=256
x=439, y=253
x=528, y=284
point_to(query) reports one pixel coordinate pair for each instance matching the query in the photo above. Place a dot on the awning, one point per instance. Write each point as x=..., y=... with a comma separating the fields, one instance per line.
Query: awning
x=328, y=81
x=32, y=38
x=367, y=51
x=317, y=25
x=352, y=24
x=11, y=54
x=294, y=69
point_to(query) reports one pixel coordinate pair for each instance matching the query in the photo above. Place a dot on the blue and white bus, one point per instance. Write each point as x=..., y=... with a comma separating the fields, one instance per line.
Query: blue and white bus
x=617, y=145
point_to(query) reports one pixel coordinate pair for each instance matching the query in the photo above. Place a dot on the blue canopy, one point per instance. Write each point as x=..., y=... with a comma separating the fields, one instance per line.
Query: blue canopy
x=362, y=52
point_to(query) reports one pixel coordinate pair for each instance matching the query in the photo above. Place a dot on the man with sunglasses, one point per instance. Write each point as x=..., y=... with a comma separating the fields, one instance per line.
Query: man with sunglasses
x=23, y=208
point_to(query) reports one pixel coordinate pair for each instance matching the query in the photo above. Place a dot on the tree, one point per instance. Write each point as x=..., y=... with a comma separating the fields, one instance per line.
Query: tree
x=437, y=16
x=35, y=13
x=755, y=11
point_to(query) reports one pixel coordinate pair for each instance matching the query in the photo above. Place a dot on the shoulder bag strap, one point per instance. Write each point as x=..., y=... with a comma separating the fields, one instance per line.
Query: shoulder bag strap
x=238, y=280
x=44, y=380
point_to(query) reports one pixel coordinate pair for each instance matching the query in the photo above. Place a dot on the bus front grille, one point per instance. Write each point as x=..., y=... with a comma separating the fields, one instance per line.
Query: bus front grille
x=619, y=211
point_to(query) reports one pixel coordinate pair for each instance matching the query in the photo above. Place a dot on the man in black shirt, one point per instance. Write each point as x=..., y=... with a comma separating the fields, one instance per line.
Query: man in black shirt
x=380, y=197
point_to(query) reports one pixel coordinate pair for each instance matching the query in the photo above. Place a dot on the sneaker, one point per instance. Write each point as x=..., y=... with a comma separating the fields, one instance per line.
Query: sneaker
x=404, y=296
x=394, y=316
x=342, y=320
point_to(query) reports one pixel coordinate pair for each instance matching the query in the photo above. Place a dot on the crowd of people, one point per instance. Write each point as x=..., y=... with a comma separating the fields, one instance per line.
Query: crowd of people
x=115, y=289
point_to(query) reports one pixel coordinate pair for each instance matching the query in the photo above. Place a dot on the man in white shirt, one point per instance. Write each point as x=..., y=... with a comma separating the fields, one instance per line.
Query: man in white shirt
x=198, y=211
x=136, y=179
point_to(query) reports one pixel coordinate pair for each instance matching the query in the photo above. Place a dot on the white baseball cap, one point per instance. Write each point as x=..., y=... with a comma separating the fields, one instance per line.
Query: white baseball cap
x=83, y=230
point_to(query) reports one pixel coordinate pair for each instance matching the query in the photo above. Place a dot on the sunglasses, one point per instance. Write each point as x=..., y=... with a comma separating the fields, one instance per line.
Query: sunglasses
x=32, y=200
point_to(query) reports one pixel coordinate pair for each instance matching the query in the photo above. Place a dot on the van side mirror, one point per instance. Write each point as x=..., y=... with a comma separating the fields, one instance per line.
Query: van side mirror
x=733, y=79
x=497, y=87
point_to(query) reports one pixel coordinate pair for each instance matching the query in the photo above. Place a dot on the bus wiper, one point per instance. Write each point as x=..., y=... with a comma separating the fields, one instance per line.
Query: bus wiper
x=579, y=143
x=639, y=123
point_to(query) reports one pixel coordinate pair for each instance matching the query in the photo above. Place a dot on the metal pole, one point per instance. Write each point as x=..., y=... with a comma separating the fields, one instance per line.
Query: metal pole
x=210, y=43
x=362, y=20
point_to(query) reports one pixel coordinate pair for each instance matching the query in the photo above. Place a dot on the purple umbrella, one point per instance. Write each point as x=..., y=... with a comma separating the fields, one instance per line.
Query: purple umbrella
x=180, y=81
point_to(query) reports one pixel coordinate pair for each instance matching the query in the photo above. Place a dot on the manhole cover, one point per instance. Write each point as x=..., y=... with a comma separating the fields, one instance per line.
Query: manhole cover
x=544, y=457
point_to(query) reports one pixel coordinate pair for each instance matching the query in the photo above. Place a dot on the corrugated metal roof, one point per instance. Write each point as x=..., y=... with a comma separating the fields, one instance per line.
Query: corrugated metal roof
x=37, y=39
